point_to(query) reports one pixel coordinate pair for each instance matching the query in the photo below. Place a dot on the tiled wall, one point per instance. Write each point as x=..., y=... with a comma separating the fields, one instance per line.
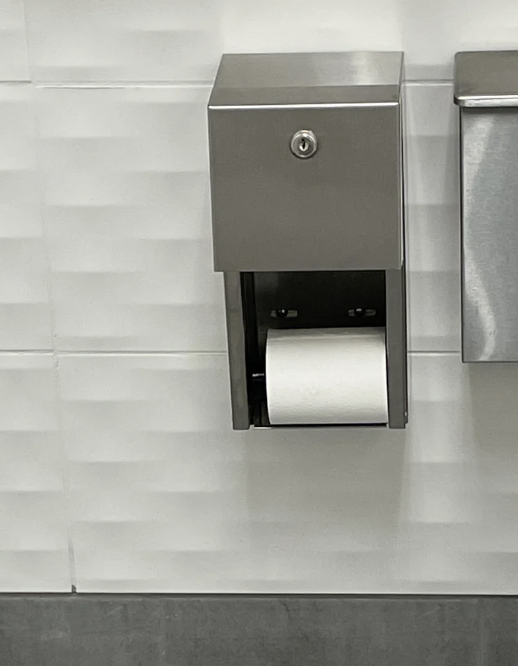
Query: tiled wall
x=118, y=469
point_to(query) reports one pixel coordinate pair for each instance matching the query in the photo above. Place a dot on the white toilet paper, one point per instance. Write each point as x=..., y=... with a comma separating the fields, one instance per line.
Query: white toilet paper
x=326, y=375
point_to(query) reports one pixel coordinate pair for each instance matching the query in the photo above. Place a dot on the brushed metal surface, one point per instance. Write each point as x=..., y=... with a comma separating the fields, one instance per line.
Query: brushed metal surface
x=396, y=343
x=340, y=210
x=237, y=351
x=486, y=78
x=489, y=140
x=307, y=78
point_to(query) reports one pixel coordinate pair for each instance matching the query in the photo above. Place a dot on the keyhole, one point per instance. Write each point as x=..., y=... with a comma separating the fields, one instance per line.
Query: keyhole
x=304, y=144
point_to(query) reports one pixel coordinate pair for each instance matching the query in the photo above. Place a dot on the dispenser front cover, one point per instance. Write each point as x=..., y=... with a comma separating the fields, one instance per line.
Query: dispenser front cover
x=340, y=209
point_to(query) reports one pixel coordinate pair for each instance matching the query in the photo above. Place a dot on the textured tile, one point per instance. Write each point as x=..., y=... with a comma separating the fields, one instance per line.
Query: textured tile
x=451, y=27
x=428, y=33
x=432, y=218
x=34, y=544
x=434, y=321
x=24, y=275
x=70, y=40
x=431, y=145
x=269, y=26
x=152, y=422
x=122, y=40
x=14, y=65
x=166, y=498
x=126, y=207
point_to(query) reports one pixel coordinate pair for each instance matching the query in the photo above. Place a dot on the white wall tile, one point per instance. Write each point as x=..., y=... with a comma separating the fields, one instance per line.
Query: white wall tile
x=14, y=65
x=166, y=498
x=159, y=40
x=123, y=40
x=429, y=33
x=126, y=208
x=433, y=32
x=24, y=274
x=268, y=26
x=432, y=217
x=163, y=495
x=33, y=525
x=433, y=300
x=155, y=487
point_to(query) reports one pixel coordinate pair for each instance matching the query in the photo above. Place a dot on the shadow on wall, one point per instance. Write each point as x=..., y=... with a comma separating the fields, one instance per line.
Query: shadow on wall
x=493, y=391
x=323, y=504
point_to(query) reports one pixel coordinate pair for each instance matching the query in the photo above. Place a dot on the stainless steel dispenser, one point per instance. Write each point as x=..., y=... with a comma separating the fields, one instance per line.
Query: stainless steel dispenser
x=486, y=90
x=307, y=207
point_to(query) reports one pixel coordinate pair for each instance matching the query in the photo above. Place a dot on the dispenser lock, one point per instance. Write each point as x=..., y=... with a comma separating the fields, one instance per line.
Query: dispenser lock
x=304, y=144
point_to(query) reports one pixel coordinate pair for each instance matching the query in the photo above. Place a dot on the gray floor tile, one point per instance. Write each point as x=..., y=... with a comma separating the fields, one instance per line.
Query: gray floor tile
x=120, y=630
x=34, y=631
x=499, y=631
x=311, y=631
x=117, y=631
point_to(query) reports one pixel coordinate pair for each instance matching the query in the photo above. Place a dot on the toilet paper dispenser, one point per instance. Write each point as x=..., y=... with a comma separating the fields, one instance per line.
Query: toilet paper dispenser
x=307, y=209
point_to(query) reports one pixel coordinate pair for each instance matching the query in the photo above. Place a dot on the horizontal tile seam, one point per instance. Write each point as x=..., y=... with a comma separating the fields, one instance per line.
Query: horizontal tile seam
x=108, y=85
x=102, y=85
x=46, y=352
x=139, y=353
x=371, y=597
x=428, y=82
x=25, y=352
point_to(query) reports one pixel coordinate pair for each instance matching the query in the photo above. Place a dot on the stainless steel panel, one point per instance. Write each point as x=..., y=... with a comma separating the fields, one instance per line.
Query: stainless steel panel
x=338, y=210
x=486, y=78
x=307, y=78
x=396, y=342
x=237, y=352
x=489, y=139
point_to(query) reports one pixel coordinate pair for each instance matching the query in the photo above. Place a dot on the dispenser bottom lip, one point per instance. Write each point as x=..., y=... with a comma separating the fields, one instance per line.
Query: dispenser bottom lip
x=316, y=426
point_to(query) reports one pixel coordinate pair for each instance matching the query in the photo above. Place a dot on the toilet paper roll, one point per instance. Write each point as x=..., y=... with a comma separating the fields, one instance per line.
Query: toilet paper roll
x=326, y=376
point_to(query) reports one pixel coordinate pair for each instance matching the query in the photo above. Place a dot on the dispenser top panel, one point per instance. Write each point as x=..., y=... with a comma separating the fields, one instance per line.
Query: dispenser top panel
x=486, y=78
x=308, y=79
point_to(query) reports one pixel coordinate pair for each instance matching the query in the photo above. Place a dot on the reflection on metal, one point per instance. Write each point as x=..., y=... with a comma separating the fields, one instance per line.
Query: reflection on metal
x=486, y=89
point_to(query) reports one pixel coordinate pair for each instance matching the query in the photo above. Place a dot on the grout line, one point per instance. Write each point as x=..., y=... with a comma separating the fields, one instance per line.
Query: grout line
x=481, y=630
x=140, y=353
x=428, y=82
x=101, y=85
x=26, y=33
x=180, y=352
x=64, y=475
x=67, y=508
x=435, y=352
x=18, y=82
x=107, y=85
x=26, y=352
